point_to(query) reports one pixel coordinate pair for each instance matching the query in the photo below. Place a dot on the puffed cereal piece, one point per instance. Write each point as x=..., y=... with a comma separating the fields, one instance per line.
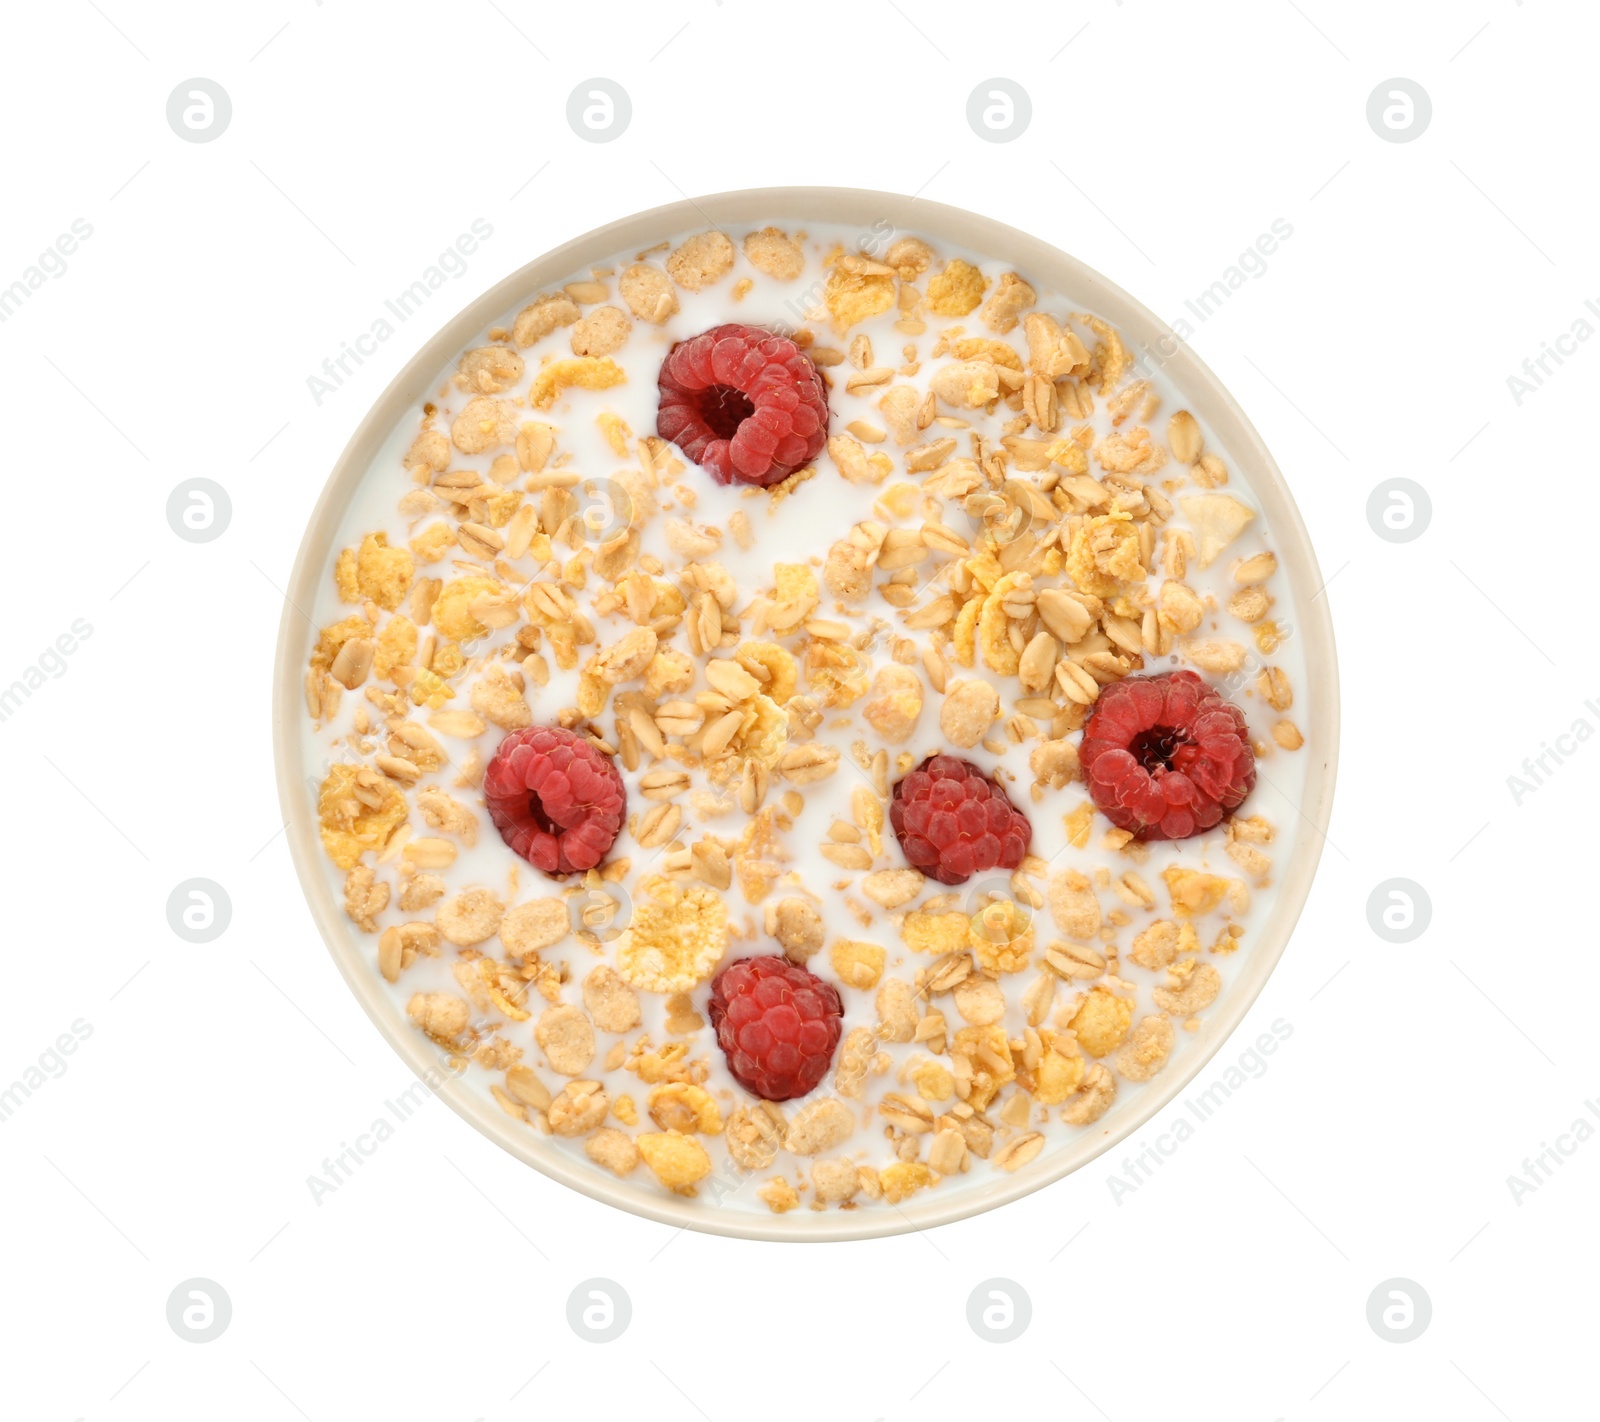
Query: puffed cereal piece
x=1103, y=1021
x=896, y=1005
x=383, y=573
x=489, y=370
x=1146, y=1050
x=969, y=709
x=1160, y=943
x=469, y=917
x=676, y=938
x=612, y=1149
x=430, y=450
x=611, y=1002
x=534, y=926
x=895, y=704
x=893, y=888
x=1074, y=904
x=834, y=1181
x=603, y=331
x=677, y=1160
x=701, y=260
x=980, y=1001
x=1191, y=986
x=484, y=424
x=541, y=316
x=567, y=1038
x=773, y=252
x=957, y=290
x=441, y=1015
x=900, y=405
x=797, y=925
x=818, y=1126
x=648, y=292
x=856, y=1053
x=586, y=372
x=421, y=891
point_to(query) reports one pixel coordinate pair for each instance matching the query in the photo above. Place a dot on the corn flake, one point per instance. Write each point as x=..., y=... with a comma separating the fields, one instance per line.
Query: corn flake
x=1105, y=553
x=452, y=609
x=676, y=938
x=772, y=666
x=993, y=640
x=351, y=827
x=1103, y=1021
x=856, y=290
x=433, y=542
x=677, y=1160
x=925, y=932
x=586, y=372
x=957, y=290
x=383, y=573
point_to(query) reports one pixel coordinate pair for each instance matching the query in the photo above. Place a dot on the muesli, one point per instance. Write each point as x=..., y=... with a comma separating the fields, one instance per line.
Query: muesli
x=805, y=718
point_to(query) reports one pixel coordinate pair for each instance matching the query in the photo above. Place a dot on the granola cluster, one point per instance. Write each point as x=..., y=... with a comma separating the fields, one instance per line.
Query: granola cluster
x=1009, y=516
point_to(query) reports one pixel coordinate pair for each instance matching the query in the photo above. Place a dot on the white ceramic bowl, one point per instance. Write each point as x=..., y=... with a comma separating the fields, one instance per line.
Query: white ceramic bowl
x=1203, y=394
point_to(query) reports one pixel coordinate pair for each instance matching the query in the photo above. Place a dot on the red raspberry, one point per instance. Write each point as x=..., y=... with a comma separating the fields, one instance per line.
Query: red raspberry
x=743, y=403
x=953, y=821
x=1166, y=756
x=777, y=1024
x=556, y=800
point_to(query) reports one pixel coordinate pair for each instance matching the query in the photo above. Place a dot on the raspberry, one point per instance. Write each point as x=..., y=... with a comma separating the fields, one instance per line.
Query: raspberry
x=953, y=821
x=1166, y=756
x=777, y=1024
x=556, y=800
x=743, y=403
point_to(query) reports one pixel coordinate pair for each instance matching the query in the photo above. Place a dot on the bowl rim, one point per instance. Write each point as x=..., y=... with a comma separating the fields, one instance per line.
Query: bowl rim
x=1142, y=331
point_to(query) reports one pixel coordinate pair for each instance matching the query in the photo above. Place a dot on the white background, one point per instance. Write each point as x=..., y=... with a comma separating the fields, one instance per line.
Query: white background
x=1165, y=138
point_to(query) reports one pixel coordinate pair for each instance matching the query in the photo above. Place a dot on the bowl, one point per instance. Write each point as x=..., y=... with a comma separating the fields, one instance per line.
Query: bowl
x=1141, y=330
